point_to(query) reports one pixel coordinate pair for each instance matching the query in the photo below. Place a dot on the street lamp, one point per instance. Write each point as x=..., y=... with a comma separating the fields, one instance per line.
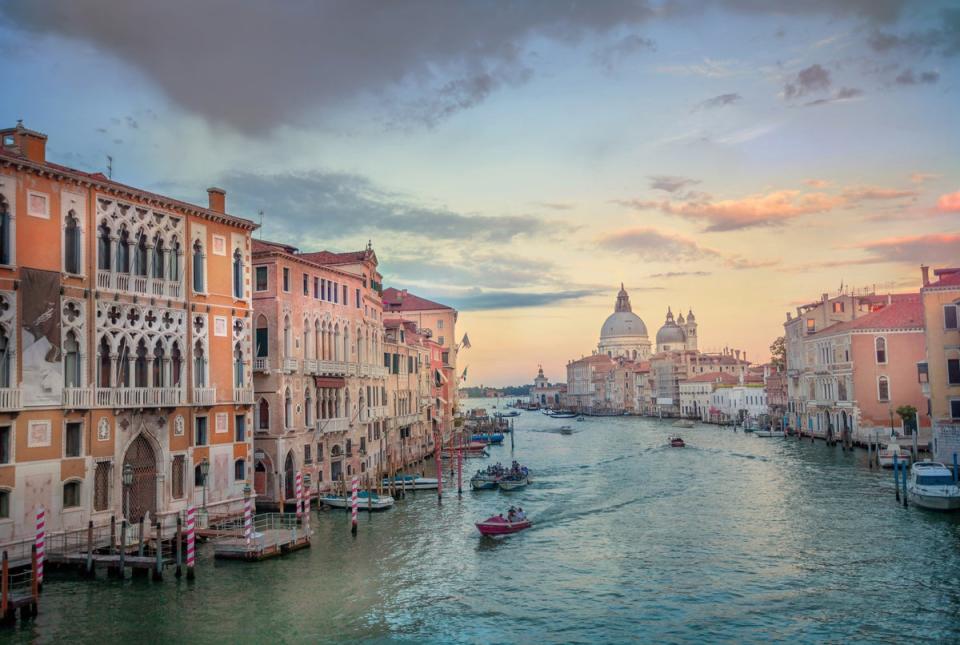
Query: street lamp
x=127, y=477
x=204, y=471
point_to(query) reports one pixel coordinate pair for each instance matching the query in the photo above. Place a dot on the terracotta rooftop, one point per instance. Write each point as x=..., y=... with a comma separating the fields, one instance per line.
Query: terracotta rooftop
x=329, y=257
x=264, y=246
x=947, y=278
x=397, y=300
x=902, y=314
x=714, y=377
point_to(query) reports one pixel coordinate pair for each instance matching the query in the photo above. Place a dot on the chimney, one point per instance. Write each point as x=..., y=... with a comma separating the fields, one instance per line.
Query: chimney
x=30, y=144
x=218, y=199
x=925, y=271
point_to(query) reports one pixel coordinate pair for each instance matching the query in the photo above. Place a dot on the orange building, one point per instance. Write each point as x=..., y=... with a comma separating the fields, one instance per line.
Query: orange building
x=125, y=344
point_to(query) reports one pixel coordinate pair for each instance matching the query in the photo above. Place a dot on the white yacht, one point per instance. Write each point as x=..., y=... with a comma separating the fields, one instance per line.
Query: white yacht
x=931, y=485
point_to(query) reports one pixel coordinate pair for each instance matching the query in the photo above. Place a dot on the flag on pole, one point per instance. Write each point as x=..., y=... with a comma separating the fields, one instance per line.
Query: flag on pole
x=465, y=343
x=463, y=377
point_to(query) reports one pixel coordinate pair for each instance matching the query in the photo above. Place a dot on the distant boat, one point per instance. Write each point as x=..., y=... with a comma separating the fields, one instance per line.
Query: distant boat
x=509, y=483
x=581, y=418
x=683, y=423
x=676, y=442
x=931, y=485
x=885, y=456
x=483, y=482
x=364, y=501
x=566, y=430
x=488, y=438
x=564, y=415
x=769, y=432
x=499, y=525
x=514, y=413
x=412, y=482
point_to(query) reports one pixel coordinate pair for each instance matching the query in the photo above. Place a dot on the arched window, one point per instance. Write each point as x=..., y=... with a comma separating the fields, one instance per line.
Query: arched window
x=263, y=415
x=237, y=274
x=159, y=259
x=71, y=494
x=881, y=344
x=883, y=389
x=140, y=366
x=262, y=338
x=71, y=244
x=103, y=247
x=308, y=407
x=319, y=347
x=123, y=252
x=239, y=470
x=71, y=361
x=198, y=267
x=288, y=410
x=238, y=366
x=5, y=234
x=175, y=252
x=176, y=365
x=287, y=338
x=199, y=366
x=103, y=371
x=140, y=255
x=306, y=339
x=159, y=376
x=5, y=350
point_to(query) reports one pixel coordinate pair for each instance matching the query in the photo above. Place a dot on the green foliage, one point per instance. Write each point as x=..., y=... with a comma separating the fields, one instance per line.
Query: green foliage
x=778, y=352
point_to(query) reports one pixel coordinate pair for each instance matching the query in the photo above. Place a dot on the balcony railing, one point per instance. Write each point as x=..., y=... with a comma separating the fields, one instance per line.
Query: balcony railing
x=340, y=424
x=289, y=365
x=309, y=366
x=145, y=285
x=261, y=365
x=333, y=368
x=77, y=398
x=243, y=395
x=406, y=419
x=9, y=399
x=139, y=397
x=204, y=395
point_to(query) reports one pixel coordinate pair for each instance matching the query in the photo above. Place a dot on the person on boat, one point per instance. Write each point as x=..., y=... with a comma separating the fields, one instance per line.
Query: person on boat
x=521, y=516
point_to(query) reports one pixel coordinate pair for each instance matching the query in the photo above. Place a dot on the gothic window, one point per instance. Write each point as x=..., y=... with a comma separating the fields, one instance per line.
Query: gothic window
x=140, y=255
x=176, y=365
x=883, y=389
x=237, y=274
x=262, y=337
x=177, y=469
x=263, y=415
x=71, y=242
x=308, y=407
x=288, y=410
x=239, y=470
x=103, y=371
x=159, y=378
x=101, y=486
x=159, y=259
x=198, y=267
x=5, y=231
x=238, y=365
x=123, y=364
x=71, y=494
x=881, y=343
x=71, y=361
x=123, y=252
x=140, y=366
x=103, y=247
x=5, y=362
x=199, y=366
x=175, y=261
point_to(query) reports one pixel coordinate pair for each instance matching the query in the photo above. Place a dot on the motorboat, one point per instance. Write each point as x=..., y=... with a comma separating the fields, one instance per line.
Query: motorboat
x=365, y=501
x=750, y=425
x=566, y=429
x=482, y=481
x=768, y=432
x=683, y=423
x=886, y=455
x=493, y=438
x=932, y=485
x=677, y=442
x=513, y=483
x=581, y=418
x=512, y=413
x=499, y=525
x=412, y=482
x=564, y=415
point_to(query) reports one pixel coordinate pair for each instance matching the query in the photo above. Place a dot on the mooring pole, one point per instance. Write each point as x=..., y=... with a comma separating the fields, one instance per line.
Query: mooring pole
x=158, y=544
x=896, y=475
x=191, y=541
x=179, y=571
x=904, y=480
x=113, y=534
x=90, y=548
x=140, y=538
x=955, y=473
x=353, y=505
x=4, y=586
x=123, y=547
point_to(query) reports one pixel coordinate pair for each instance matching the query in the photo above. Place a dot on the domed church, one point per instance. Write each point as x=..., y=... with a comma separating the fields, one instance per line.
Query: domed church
x=623, y=333
x=679, y=334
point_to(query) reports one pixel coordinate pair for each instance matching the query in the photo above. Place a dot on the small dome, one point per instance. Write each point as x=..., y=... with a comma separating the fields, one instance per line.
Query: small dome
x=690, y=317
x=670, y=334
x=623, y=323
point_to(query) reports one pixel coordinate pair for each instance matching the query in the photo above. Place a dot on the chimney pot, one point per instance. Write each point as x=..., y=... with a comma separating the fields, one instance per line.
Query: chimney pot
x=925, y=271
x=218, y=199
x=30, y=144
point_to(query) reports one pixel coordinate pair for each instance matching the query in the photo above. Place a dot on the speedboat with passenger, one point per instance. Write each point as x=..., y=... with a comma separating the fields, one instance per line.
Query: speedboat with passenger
x=499, y=525
x=676, y=442
x=932, y=485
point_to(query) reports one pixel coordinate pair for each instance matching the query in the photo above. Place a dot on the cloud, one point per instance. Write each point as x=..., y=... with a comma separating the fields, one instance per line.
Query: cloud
x=923, y=177
x=671, y=183
x=843, y=95
x=612, y=55
x=943, y=39
x=873, y=193
x=907, y=77
x=483, y=300
x=936, y=248
x=718, y=101
x=817, y=183
x=708, y=68
x=322, y=205
x=556, y=206
x=949, y=203
x=653, y=246
x=679, y=274
x=808, y=80
x=473, y=267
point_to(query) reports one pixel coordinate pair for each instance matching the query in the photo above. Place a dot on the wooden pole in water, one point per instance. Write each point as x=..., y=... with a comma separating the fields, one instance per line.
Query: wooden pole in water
x=4, y=586
x=158, y=545
x=353, y=506
x=123, y=547
x=179, y=571
x=437, y=452
x=904, y=479
x=460, y=472
x=896, y=475
x=955, y=473
x=34, y=583
x=113, y=534
x=90, y=548
x=140, y=539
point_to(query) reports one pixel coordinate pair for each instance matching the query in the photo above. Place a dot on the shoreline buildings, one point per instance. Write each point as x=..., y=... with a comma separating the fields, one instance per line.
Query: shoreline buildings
x=939, y=371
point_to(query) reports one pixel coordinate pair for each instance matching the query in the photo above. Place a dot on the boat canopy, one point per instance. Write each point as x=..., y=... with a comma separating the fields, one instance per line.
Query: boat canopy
x=935, y=480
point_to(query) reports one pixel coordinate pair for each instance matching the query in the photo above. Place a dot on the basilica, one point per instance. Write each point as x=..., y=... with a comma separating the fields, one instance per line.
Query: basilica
x=624, y=334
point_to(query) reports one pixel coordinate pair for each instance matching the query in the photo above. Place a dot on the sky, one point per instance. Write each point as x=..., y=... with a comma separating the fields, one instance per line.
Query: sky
x=519, y=160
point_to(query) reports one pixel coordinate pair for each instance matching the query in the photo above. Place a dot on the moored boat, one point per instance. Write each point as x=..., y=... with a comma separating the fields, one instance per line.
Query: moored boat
x=683, y=423
x=499, y=525
x=886, y=455
x=364, y=501
x=513, y=483
x=483, y=482
x=412, y=482
x=494, y=438
x=564, y=415
x=676, y=442
x=932, y=485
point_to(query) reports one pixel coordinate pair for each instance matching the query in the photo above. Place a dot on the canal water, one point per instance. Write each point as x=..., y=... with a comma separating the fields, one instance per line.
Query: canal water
x=734, y=538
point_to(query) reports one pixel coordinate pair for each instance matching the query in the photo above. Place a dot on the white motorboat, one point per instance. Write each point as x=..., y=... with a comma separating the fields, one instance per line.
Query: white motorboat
x=513, y=484
x=885, y=456
x=769, y=432
x=683, y=423
x=412, y=482
x=931, y=485
x=364, y=501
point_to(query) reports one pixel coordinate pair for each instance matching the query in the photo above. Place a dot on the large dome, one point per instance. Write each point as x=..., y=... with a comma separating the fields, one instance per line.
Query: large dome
x=623, y=323
x=671, y=333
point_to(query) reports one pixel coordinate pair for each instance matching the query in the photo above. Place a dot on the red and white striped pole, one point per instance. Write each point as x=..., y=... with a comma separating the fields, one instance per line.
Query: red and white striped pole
x=248, y=518
x=191, y=541
x=41, y=540
x=298, y=478
x=353, y=506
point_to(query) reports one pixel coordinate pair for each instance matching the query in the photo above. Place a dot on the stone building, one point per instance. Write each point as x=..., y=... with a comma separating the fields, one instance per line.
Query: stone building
x=544, y=393
x=939, y=371
x=624, y=334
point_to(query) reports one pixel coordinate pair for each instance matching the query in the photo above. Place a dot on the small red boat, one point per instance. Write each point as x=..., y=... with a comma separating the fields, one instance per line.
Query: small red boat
x=499, y=525
x=677, y=442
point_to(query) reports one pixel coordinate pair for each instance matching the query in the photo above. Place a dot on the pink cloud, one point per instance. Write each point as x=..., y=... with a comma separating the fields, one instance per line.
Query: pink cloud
x=936, y=248
x=949, y=203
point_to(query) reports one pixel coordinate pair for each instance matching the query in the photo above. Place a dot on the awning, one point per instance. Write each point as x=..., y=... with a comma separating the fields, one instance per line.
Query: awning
x=329, y=381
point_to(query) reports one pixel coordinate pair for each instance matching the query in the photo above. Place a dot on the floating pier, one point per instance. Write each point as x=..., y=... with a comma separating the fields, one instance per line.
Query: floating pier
x=273, y=534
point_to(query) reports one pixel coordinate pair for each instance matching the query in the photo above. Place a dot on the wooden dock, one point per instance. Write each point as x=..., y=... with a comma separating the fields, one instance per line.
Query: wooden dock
x=274, y=534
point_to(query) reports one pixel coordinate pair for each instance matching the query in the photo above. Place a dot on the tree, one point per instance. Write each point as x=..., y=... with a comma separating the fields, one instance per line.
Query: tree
x=778, y=352
x=908, y=414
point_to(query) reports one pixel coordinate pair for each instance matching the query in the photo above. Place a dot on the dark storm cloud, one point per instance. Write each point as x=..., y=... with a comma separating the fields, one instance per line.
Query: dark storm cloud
x=943, y=39
x=811, y=79
x=671, y=183
x=305, y=206
x=718, y=101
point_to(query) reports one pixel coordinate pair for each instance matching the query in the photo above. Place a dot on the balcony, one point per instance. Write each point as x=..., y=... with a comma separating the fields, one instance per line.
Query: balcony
x=10, y=399
x=261, y=365
x=77, y=398
x=243, y=395
x=139, y=397
x=340, y=424
x=332, y=368
x=406, y=420
x=290, y=365
x=378, y=412
x=309, y=366
x=138, y=284
x=204, y=396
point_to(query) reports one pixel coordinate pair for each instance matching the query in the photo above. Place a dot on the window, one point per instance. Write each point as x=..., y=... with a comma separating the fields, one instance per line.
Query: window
x=198, y=267
x=307, y=407
x=262, y=338
x=838, y=307
x=307, y=454
x=881, y=345
x=6, y=447
x=346, y=300
x=288, y=410
x=5, y=231
x=4, y=504
x=177, y=469
x=440, y=340
x=950, y=316
x=103, y=247
x=286, y=279
x=71, y=243
x=953, y=371
x=323, y=288
x=71, y=361
x=306, y=284
x=175, y=261
x=260, y=278
x=238, y=366
x=240, y=428
x=199, y=366
x=316, y=288
x=883, y=389
x=197, y=476
x=159, y=258
x=239, y=470
x=71, y=494
x=335, y=292
x=955, y=409
x=263, y=415
x=237, y=274
x=439, y=324
x=200, y=431
x=811, y=325
x=358, y=299
x=123, y=252
x=140, y=255
x=73, y=440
